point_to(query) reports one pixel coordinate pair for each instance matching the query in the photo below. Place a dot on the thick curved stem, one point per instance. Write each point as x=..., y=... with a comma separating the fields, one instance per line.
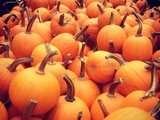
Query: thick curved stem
x=9, y=17
x=113, y=86
x=70, y=89
x=44, y=62
x=156, y=111
x=82, y=70
x=123, y=20
x=100, y=9
x=39, y=16
x=81, y=32
x=73, y=14
x=139, y=31
x=112, y=19
x=30, y=24
x=103, y=108
x=26, y=115
x=154, y=82
x=111, y=46
x=67, y=60
x=117, y=58
x=12, y=67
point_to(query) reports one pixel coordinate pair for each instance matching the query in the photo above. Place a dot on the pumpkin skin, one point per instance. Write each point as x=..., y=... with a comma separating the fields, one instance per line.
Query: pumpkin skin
x=140, y=81
x=3, y=112
x=133, y=100
x=106, y=33
x=31, y=88
x=99, y=69
x=39, y=52
x=129, y=113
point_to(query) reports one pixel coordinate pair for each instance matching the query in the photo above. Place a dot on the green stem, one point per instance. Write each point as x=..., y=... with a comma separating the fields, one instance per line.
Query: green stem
x=70, y=89
x=12, y=67
x=113, y=86
x=26, y=115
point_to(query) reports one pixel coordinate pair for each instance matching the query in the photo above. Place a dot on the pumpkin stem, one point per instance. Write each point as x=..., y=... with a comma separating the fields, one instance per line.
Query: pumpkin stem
x=9, y=17
x=123, y=20
x=61, y=20
x=82, y=50
x=112, y=19
x=82, y=70
x=22, y=18
x=111, y=46
x=12, y=67
x=100, y=9
x=3, y=48
x=73, y=14
x=30, y=24
x=137, y=17
x=156, y=111
x=154, y=81
x=81, y=32
x=156, y=9
x=44, y=62
x=48, y=50
x=58, y=6
x=28, y=13
x=143, y=9
x=26, y=115
x=71, y=90
x=139, y=31
x=67, y=60
x=112, y=88
x=117, y=58
x=154, y=34
x=79, y=115
x=39, y=16
x=81, y=3
x=103, y=108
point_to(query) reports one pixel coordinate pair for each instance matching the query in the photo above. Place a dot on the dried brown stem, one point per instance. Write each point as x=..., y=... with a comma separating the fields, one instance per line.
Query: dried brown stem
x=103, y=108
x=117, y=58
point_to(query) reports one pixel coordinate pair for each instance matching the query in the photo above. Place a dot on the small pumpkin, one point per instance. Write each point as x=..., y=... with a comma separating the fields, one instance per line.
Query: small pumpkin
x=3, y=112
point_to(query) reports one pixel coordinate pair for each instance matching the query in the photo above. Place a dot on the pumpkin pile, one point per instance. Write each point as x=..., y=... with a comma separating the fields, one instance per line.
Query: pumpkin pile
x=80, y=60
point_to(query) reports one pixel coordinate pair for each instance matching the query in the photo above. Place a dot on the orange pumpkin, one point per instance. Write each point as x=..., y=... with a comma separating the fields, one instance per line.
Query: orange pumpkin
x=3, y=112
x=28, y=89
x=129, y=113
x=70, y=103
x=24, y=42
x=111, y=101
x=99, y=69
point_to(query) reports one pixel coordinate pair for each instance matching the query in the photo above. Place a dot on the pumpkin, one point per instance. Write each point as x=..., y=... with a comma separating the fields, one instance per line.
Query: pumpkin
x=105, y=34
x=3, y=112
x=63, y=22
x=136, y=68
x=132, y=48
x=115, y=3
x=85, y=88
x=70, y=103
x=24, y=42
x=111, y=101
x=31, y=88
x=92, y=10
x=104, y=17
x=129, y=113
x=80, y=7
x=42, y=29
x=67, y=43
x=7, y=72
x=99, y=69
x=40, y=51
